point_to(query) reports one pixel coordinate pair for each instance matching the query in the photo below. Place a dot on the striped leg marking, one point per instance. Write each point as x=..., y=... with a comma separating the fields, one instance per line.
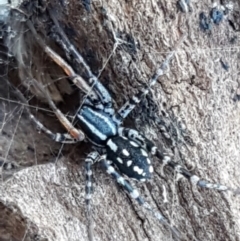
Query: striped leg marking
x=138, y=138
x=150, y=147
x=73, y=76
x=124, y=111
x=75, y=134
x=124, y=183
x=64, y=138
x=89, y=161
x=134, y=194
x=195, y=180
x=104, y=100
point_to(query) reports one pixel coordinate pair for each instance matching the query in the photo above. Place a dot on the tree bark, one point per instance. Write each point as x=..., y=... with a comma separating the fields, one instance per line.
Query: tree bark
x=197, y=101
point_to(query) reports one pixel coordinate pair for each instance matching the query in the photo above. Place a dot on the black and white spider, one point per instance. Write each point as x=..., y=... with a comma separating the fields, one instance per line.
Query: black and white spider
x=125, y=151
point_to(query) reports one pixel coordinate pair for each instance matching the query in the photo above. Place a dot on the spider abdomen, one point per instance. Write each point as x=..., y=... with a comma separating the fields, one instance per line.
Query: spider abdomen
x=130, y=158
x=97, y=125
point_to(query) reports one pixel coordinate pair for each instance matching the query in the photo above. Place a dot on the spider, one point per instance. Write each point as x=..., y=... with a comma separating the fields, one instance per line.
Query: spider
x=124, y=151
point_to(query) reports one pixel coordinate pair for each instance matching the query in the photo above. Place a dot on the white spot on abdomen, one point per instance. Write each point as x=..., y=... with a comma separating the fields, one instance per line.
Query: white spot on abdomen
x=129, y=163
x=119, y=160
x=125, y=152
x=138, y=170
x=144, y=153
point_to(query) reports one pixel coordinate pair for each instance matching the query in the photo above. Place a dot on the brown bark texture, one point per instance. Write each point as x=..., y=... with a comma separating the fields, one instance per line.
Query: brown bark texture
x=124, y=43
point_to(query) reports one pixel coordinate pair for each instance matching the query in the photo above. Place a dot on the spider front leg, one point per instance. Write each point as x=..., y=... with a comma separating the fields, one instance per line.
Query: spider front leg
x=166, y=160
x=125, y=110
x=134, y=194
x=73, y=76
x=104, y=100
x=74, y=135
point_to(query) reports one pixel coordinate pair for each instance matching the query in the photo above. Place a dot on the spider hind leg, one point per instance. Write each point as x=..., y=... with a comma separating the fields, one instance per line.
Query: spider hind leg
x=166, y=160
x=91, y=159
x=134, y=194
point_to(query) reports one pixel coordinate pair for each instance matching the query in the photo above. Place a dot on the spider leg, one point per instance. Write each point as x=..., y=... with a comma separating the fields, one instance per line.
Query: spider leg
x=124, y=111
x=64, y=138
x=92, y=158
x=73, y=76
x=74, y=135
x=166, y=160
x=134, y=194
x=105, y=100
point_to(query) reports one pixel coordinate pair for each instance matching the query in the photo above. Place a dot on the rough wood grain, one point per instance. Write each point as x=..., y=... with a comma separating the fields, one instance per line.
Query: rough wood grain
x=48, y=192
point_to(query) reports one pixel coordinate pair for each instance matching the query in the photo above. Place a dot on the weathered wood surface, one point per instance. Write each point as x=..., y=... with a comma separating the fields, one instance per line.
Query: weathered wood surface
x=45, y=199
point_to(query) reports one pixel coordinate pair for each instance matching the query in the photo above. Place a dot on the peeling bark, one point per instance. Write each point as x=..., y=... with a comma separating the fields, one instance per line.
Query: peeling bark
x=198, y=100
